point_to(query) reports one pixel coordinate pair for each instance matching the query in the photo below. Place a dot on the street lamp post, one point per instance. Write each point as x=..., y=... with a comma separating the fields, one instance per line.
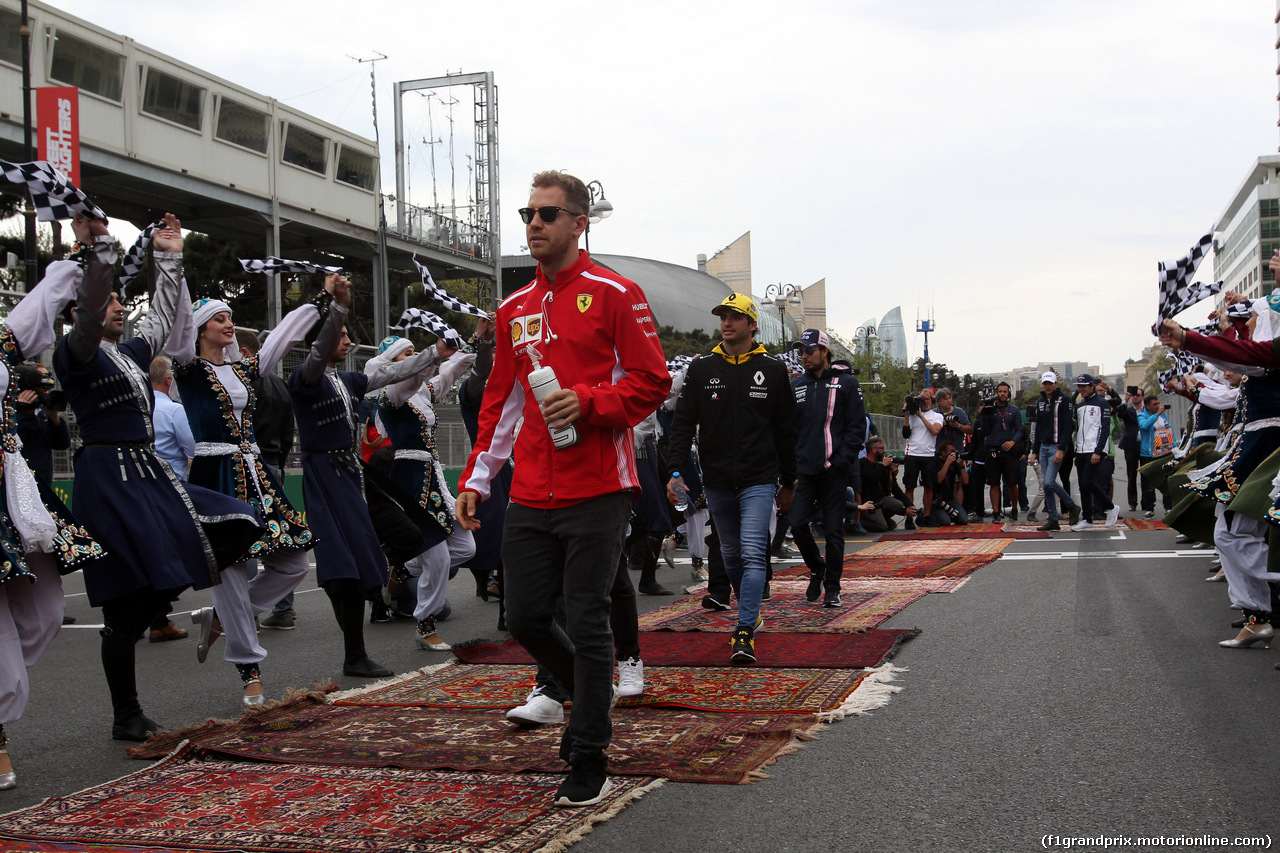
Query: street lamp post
x=866, y=338
x=601, y=208
x=783, y=295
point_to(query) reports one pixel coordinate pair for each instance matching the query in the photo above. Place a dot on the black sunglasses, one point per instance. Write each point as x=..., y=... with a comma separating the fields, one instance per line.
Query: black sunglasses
x=809, y=350
x=548, y=213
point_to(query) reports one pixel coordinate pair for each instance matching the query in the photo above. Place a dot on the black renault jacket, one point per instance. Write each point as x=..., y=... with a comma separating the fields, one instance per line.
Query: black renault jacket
x=744, y=413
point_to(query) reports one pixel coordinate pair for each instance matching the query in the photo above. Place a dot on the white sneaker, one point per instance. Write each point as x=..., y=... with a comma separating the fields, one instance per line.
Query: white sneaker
x=537, y=710
x=1112, y=515
x=1082, y=526
x=630, y=677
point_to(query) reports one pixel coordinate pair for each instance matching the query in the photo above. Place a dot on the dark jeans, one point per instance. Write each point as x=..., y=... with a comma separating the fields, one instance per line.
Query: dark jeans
x=1093, y=484
x=1132, y=461
x=624, y=619
x=1148, y=490
x=571, y=552
x=827, y=491
x=880, y=519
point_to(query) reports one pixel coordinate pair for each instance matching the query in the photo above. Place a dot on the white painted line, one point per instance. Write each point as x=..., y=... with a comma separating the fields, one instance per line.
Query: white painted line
x=1108, y=555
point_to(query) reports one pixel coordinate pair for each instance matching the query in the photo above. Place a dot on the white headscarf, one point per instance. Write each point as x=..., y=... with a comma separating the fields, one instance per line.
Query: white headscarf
x=205, y=310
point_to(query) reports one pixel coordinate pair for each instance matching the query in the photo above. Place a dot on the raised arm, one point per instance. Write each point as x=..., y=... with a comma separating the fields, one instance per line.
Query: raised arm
x=94, y=291
x=330, y=337
x=404, y=378
x=166, y=246
x=295, y=325
x=32, y=319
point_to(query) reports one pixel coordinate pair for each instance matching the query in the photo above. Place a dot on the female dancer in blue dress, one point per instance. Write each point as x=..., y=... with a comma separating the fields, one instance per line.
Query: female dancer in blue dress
x=217, y=390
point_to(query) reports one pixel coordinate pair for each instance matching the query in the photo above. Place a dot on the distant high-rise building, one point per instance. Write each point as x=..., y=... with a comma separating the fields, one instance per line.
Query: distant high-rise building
x=893, y=336
x=732, y=264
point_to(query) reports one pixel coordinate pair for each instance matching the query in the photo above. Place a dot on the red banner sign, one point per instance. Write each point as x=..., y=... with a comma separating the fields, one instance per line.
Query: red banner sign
x=58, y=128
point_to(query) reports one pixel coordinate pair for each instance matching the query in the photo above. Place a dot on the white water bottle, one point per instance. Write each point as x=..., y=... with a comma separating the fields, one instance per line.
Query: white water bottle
x=682, y=494
x=543, y=383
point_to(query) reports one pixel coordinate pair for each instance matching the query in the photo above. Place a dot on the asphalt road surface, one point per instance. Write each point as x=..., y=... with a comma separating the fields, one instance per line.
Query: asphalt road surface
x=1074, y=688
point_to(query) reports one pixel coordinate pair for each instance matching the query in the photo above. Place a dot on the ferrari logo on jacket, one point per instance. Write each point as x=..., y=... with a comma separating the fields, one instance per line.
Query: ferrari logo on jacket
x=584, y=302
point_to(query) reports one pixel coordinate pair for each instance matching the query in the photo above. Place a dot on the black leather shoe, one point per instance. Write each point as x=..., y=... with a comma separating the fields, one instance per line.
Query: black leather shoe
x=653, y=588
x=366, y=668
x=137, y=728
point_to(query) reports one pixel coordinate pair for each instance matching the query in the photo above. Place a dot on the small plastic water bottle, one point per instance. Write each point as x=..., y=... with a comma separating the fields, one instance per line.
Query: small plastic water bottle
x=682, y=494
x=543, y=383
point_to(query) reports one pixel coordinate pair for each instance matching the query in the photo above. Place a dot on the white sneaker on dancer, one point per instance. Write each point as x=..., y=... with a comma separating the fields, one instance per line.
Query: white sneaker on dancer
x=630, y=677
x=1082, y=526
x=537, y=710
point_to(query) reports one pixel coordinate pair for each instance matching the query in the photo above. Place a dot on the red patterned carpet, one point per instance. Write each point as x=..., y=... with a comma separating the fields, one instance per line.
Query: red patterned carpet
x=732, y=690
x=788, y=612
x=678, y=744
x=1146, y=524
x=952, y=533
x=945, y=547
x=856, y=566
x=213, y=805
x=665, y=648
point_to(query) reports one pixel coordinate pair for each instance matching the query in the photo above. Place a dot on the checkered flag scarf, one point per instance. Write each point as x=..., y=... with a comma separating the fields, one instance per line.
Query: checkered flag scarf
x=1184, y=364
x=1176, y=291
x=136, y=256
x=438, y=293
x=416, y=317
x=53, y=196
x=281, y=266
x=678, y=364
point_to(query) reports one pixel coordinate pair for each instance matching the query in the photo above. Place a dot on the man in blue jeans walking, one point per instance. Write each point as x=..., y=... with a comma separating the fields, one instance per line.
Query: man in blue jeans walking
x=739, y=401
x=1054, y=424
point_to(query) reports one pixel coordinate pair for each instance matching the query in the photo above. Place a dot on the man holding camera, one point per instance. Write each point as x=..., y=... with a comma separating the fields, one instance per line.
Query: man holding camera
x=830, y=421
x=948, y=499
x=1003, y=431
x=882, y=497
x=38, y=415
x=920, y=427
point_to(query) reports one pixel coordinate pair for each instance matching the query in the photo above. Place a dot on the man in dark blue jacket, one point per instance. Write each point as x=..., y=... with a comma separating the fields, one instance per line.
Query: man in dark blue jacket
x=1002, y=436
x=830, y=430
x=1055, y=423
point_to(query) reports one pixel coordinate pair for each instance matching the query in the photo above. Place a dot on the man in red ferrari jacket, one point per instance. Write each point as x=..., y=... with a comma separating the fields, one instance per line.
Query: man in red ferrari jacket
x=569, y=507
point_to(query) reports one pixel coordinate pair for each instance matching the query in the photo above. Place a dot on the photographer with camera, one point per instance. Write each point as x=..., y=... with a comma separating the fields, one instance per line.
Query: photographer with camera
x=38, y=414
x=882, y=498
x=948, y=497
x=920, y=427
x=1003, y=443
x=955, y=421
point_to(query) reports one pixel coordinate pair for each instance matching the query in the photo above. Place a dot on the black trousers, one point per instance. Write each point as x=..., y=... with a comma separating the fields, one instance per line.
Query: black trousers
x=824, y=493
x=1132, y=461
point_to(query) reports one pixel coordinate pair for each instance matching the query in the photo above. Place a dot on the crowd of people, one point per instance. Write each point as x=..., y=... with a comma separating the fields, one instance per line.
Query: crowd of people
x=591, y=455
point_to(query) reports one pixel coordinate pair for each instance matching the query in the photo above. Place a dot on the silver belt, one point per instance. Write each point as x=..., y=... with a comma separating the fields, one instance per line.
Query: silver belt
x=1254, y=426
x=416, y=455
x=219, y=448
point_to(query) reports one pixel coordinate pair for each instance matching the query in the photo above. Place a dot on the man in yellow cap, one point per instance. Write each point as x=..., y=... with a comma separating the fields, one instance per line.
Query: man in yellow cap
x=739, y=400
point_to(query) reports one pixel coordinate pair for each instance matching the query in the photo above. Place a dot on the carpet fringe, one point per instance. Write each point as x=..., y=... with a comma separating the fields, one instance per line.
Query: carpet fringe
x=563, y=842
x=874, y=692
x=387, y=682
x=292, y=696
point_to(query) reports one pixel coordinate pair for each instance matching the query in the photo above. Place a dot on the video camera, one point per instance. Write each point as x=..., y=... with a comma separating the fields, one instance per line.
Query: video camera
x=31, y=378
x=911, y=405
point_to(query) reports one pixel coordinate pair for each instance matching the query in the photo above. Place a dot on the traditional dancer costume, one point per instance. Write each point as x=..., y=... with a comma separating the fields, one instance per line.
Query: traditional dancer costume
x=39, y=540
x=219, y=399
x=407, y=416
x=349, y=557
x=160, y=536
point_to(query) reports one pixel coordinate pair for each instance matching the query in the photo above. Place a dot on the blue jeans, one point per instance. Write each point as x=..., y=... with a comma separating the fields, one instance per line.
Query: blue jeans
x=742, y=520
x=1049, y=471
x=942, y=517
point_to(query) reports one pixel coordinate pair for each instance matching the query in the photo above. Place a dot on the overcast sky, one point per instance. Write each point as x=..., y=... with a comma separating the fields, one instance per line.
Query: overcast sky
x=1014, y=168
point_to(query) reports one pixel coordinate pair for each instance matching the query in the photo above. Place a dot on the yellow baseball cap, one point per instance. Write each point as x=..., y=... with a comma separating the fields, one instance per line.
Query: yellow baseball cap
x=739, y=302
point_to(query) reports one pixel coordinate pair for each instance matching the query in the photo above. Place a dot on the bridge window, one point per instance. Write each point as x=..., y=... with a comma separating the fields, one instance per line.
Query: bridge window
x=11, y=37
x=173, y=99
x=90, y=68
x=241, y=125
x=304, y=148
x=355, y=168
